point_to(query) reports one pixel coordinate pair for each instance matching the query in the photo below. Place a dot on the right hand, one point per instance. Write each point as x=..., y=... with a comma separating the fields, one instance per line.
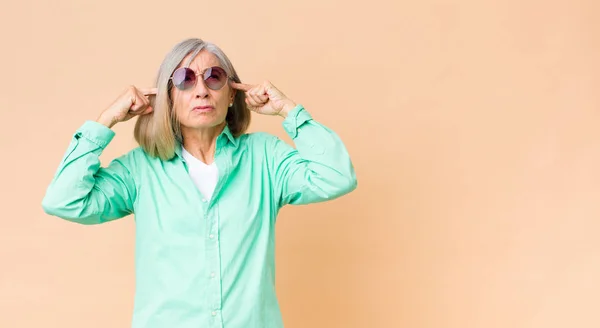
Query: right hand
x=132, y=102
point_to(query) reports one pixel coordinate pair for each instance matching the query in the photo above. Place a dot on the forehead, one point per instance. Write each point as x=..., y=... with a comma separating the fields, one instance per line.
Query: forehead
x=204, y=59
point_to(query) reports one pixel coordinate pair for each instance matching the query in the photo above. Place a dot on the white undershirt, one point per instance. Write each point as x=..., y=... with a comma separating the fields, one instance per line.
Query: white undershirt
x=204, y=176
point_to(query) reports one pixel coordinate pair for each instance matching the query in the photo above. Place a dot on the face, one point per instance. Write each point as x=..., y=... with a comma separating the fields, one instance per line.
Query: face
x=200, y=107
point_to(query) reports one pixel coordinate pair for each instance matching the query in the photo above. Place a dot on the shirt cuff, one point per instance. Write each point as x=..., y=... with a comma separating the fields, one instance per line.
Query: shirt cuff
x=295, y=118
x=95, y=132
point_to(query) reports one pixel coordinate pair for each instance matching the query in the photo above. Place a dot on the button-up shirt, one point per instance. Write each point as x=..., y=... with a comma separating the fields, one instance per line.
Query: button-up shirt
x=203, y=262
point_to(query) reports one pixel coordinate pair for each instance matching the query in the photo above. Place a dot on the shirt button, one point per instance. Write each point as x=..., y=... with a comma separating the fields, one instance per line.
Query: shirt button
x=212, y=275
x=214, y=313
x=211, y=236
x=204, y=200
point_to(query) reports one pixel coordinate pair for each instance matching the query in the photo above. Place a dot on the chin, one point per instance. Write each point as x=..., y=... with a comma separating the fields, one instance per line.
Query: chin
x=204, y=122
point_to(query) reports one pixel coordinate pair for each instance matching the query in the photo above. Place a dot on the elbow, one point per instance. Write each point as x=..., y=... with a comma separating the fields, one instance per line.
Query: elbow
x=350, y=182
x=51, y=205
x=344, y=183
x=349, y=177
x=66, y=210
x=344, y=186
x=353, y=184
x=350, y=185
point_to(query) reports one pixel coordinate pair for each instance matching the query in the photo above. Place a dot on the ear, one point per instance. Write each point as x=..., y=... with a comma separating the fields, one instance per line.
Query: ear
x=231, y=98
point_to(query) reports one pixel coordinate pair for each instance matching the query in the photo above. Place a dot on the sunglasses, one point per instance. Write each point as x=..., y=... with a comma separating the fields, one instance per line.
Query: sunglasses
x=214, y=78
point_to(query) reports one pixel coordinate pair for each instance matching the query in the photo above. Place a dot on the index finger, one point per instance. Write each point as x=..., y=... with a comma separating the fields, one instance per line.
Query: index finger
x=241, y=86
x=149, y=91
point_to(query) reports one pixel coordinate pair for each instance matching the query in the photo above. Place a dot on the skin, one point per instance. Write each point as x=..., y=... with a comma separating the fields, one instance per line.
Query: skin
x=200, y=127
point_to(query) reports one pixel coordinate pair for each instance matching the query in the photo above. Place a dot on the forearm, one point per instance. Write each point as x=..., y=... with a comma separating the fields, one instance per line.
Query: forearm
x=287, y=108
x=106, y=120
x=321, y=168
x=81, y=191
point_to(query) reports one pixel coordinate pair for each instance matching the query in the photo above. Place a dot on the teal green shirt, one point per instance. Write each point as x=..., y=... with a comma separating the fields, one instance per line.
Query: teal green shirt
x=203, y=262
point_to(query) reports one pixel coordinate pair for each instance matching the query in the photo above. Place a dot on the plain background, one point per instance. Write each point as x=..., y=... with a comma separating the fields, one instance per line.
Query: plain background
x=473, y=126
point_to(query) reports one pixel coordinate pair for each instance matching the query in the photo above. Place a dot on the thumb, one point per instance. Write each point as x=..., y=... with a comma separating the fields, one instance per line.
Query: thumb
x=148, y=110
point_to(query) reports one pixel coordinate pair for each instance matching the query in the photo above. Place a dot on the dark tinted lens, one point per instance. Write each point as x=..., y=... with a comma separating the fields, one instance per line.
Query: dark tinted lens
x=215, y=78
x=184, y=78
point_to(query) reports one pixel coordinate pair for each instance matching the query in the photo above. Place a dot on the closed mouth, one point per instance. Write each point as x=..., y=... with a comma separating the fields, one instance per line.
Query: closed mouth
x=203, y=108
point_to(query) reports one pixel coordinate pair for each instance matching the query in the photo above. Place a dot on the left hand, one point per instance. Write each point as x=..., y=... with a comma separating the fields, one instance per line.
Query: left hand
x=265, y=98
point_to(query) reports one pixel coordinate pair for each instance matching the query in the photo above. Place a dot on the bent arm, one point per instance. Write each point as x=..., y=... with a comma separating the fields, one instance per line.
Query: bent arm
x=84, y=192
x=319, y=169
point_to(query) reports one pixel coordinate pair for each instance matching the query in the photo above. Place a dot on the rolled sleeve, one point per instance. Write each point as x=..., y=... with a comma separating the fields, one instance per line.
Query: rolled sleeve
x=95, y=132
x=296, y=117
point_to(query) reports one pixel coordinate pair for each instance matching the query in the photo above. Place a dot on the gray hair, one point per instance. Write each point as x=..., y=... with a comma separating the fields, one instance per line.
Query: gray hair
x=158, y=132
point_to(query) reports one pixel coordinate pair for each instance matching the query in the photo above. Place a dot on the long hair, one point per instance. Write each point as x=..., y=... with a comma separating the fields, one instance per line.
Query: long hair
x=159, y=132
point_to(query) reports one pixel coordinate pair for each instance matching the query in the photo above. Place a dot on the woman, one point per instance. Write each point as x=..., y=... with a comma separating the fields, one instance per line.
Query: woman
x=204, y=192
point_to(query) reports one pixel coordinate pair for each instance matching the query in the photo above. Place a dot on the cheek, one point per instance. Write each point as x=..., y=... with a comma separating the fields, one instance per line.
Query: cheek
x=224, y=98
x=180, y=102
x=221, y=100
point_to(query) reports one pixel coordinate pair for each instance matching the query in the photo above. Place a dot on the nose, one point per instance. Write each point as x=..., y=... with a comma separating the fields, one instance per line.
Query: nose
x=200, y=89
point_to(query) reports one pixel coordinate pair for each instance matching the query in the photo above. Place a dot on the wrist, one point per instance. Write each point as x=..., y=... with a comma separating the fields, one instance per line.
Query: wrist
x=287, y=108
x=106, y=121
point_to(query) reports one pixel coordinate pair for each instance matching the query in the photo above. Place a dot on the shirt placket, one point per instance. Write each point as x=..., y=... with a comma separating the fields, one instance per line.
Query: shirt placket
x=213, y=242
x=213, y=252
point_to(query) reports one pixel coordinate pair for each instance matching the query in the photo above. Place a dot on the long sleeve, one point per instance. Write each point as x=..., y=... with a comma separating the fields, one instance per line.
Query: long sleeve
x=84, y=192
x=317, y=170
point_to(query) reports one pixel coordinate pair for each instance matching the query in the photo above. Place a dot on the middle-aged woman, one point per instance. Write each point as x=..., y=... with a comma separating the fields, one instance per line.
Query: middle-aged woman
x=205, y=194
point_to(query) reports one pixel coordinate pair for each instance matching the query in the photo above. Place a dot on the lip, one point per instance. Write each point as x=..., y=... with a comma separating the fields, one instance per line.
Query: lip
x=203, y=108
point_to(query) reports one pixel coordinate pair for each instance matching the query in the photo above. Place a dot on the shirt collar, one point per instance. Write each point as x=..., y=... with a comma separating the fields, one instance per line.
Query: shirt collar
x=222, y=139
x=234, y=141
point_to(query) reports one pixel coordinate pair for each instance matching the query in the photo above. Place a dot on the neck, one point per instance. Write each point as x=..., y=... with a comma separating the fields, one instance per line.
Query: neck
x=201, y=143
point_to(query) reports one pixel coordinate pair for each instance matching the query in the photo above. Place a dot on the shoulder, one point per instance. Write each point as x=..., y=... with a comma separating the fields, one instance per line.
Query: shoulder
x=134, y=160
x=264, y=146
x=259, y=137
x=260, y=140
x=134, y=154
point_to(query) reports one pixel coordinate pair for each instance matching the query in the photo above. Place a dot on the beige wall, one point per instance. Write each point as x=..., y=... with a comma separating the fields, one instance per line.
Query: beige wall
x=479, y=172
